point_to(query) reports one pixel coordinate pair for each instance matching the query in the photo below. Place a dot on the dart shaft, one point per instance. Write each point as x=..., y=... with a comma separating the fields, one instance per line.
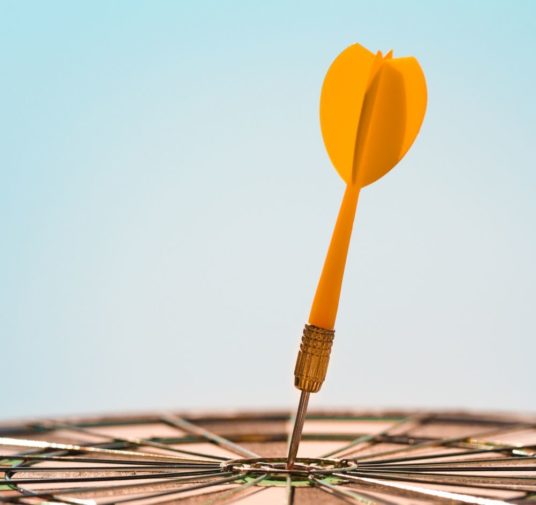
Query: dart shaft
x=298, y=428
x=326, y=300
x=313, y=356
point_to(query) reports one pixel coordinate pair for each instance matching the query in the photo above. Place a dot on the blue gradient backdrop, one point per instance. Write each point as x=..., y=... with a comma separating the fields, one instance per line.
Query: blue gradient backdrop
x=166, y=203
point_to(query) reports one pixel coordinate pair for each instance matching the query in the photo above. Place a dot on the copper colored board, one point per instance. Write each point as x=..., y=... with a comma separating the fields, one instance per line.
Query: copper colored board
x=393, y=457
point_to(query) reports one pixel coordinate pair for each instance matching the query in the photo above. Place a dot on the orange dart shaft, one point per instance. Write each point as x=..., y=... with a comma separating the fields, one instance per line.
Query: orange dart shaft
x=313, y=358
x=326, y=301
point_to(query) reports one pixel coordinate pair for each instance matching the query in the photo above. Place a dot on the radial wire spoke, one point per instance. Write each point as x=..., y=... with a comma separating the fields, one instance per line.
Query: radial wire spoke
x=481, y=481
x=194, y=429
x=38, y=444
x=348, y=496
x=217, y=482
x=372, y=437
x=237, y=492
x=117, y=490
x=440, y=442
x=419, y=492
x=134, y=441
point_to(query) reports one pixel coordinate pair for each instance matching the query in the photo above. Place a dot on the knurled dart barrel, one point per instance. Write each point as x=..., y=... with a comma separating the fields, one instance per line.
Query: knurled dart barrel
x=313, y=358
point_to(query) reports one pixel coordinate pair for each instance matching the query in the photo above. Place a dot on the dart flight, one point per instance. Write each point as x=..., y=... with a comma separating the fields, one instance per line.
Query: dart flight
x=371, y=109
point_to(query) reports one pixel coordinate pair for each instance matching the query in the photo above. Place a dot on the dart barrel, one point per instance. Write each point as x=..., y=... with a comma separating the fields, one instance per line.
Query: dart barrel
x=313, y=358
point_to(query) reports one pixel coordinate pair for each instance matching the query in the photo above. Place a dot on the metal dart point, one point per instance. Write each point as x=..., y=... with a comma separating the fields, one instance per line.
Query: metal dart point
x=298, y=428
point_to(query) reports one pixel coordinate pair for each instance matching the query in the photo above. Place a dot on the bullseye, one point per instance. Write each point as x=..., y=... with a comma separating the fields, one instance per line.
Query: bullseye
x=277, y=474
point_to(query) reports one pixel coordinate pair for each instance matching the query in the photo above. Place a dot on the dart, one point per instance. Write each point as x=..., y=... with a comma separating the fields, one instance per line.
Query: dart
x=371, y=109
x=138, y=297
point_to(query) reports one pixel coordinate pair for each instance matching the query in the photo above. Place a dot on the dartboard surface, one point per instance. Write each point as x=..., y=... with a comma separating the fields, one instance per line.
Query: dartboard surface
x=203, y=458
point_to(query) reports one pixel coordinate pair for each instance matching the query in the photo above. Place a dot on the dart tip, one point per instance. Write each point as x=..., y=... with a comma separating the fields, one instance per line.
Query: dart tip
x=298, y=428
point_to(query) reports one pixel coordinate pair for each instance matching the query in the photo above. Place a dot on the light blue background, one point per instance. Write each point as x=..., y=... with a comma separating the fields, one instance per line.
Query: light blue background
x=166, y=203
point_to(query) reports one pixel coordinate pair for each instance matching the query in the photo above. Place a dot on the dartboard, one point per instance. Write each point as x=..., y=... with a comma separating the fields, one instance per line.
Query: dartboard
x=210, y=458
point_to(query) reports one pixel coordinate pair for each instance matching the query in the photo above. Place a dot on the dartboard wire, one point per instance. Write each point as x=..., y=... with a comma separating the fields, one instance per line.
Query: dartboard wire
x=200, y=470
x=467, y=447
x=110, y=478
x=16, y=486
x=505, y=483
x=12, y=480
x=194, y=429
x=442, y=442
x=511, y=449
x=56, y=499
x=371, y=438
x=18, y=500
x=520, y=483
x=413, y=440
x=289, y=488
x=416, y=491
x=488, y=474
x=247, y=494
x=370, y=485
x=346, y=495
x=183, y=425
x=140, y=442
x=482, y=463
x=237, y=492
x=37, y=458
x=167, y=494
x=31, y=493
x=97, y=491
x=55, y=446
x=221, y=495
x=71, y=447
x=454, y=467
x=60, y=495
x=86, y=469
x=381, y=466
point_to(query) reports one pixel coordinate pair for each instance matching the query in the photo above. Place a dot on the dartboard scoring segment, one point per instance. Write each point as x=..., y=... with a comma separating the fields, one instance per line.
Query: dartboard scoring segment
x=371, y=110
x=362, y=457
